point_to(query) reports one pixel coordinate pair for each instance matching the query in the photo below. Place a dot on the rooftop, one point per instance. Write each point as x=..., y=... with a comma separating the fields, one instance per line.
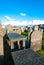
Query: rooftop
x=27, y=57
x=15, y=36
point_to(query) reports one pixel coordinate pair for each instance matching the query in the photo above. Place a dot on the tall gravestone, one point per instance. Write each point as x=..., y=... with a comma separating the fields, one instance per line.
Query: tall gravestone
x=36, y=39
x=9, y=28
x=29, y=32
x=1, y=50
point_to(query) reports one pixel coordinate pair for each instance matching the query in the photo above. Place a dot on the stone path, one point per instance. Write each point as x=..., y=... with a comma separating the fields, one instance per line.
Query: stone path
x=27, y=57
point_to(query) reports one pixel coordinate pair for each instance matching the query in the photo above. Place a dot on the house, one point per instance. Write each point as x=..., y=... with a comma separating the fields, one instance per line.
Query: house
x=16, y=41
x=36, y=39
x=27, y=57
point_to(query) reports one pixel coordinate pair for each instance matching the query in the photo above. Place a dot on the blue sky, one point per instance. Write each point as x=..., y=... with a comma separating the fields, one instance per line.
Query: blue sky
x=22, y=10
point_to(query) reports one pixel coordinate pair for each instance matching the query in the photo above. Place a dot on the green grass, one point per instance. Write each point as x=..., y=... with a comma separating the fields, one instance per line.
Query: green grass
x=25, y=33
x=43, y=38
x=41, y=52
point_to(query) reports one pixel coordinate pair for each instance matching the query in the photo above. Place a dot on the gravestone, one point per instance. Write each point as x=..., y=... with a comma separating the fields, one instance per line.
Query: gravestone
x=1, y=50
x=36, y=39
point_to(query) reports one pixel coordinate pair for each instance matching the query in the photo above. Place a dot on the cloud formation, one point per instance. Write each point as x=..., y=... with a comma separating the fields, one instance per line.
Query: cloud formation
x=8, y=18
x=36, y=22
x=22, y=23
x=22, y=14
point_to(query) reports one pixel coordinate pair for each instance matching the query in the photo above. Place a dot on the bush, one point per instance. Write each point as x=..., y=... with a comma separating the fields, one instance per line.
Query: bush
x=25, y=33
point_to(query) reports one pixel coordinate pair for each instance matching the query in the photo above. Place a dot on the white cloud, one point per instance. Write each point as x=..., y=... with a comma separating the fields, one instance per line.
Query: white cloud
x=8, y=18
x=24, y=23
x=36, y=22
x=21, y=23
x=30, y=23
x=22, y=14
x=17, y=23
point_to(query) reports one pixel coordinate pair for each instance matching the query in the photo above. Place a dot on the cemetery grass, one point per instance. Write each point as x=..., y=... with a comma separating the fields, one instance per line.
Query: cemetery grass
x=41, y=52
x=24, y=33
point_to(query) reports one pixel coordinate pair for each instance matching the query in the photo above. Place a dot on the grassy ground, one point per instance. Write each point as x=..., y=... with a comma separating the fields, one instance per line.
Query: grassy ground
x=41, y=52
x=25, y=33
x=43, y=38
